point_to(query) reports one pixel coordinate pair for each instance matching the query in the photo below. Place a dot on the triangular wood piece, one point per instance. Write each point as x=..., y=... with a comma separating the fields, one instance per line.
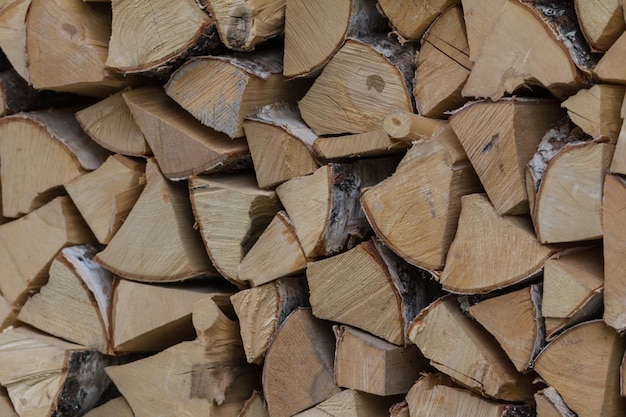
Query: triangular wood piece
x=406, y=126
x=550, y=404
x=480, y=17
x=173, y=251
x=30, y=243
x=618, y=165
x=358, y=145
x=216, y=331
x=350, y=403
x=254, y=407
x=303, y=346
x=13, y=35
x=416, y=210
x=500, y=140
x=479, y=259
x=590, y=384
x=41, y=151
x=117, y=407
x=410, y=19
x=461, y=348
x=610, y=68
x=602, y=22
x=276, y=254
x=231, y=212
x=262, y=310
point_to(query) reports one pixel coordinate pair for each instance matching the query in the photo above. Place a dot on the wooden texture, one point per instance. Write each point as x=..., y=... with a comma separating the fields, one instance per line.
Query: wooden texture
x=411, y=18
x=602, y=22
x=550, y=404
x=618, y=165
x=13, y=35
x=349, y=402
x=358, y=145
x=117, y=407
x=407, y=126
x=254, y=407
x=480, y=17
x=214, y=328
x=609, y=68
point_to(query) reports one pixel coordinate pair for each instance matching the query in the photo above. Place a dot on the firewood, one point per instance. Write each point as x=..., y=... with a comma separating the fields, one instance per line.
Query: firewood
x=407, y=126
x=358, y=145
x=110, y=123
x=590, y=385
x=172, y=251
x=443, y=65
x=46, y=376
x=479, y=260
x=324, y=206
x=6, y=407
x=254, y=407
x=514, y=319
x=349, y=403
x=366, y=79
x=221, y=90
x=242, y=25
x=550, y=404
x=610, y=68
x=280, y=143
x=461, y=348
x=508, y=61
x=602, y=22
x=262, y=310
x=32, y=242
x=480, y=18
x=105, y=196
x=8, y=314
x=565, y=180
x=117, y=407
x=303, y=346
x=277, y=253
x=618, y=165
x=369, y=364
x=416, y=210
x=231, y=212
x=40, y=151
x=410, y=18
x=500, y=138
x=214, y=327
x=347, y=288
x=13, y=35
x=315, y=32
x=399, y=410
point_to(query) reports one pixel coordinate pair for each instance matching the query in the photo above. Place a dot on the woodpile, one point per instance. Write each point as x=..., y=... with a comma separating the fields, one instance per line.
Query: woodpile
x=347, y=208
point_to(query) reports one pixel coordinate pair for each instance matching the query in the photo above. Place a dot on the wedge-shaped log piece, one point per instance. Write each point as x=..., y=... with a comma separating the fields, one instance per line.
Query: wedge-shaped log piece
x=350, y=403
x=117, y=407
x=46, y=376
x=262, y=310
x=443, y=65
x=618, y=165
x=105, y=196
x=416, y=210
x=366, y=79
x=172, y=251
x=369, y=364
x=314, y=32
x=31, y=243
x=13, y=35
x=407, y=126
x=254, y=407
x=347, y=288
x=110, y=123
x=411, y=18
x=231, y=212
x=280, y=144
x=602, y=22
x=597, y=111
x=613, y=217
x=276, y=254
x=565, y=180
x=215, y=329
x=480, y=260
x=573, y=285
x=153, y=38
x=221, y=90
x=74, y=304
x=324, y=206
x=590, y=385
x=500, y=138
x=303, y=346
x=508, y=61
x=610, y=68
x=514, y=319
x=461, y=348
x=550, y=404
x=358, y=145
x=41, y=151
x=480, y=17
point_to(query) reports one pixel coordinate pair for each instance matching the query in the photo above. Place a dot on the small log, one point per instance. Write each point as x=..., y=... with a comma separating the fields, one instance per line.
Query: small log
x=410, y=19
x=359, y=145
x=407, y=126
x=13, y=35
x=117, y=407
x=369, y=364
x=461, y=348
x=610, y=68
x=618, y=165
x=590, y=386
x=215, y=329
x=602, y=22
x=366, y=79
x=349, y=402
x=550, y=404
x=254, y=407
x=480, y=18
x=303, y=346
x=171, y=252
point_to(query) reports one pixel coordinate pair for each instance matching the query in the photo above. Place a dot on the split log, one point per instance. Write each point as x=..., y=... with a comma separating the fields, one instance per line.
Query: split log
x=407, y=126
x=254, y=407
x=110, y=123
x=480, y=18
x=277, y=253
x=349, y=403
x=32, y=242
x=231, y=212
x=602, y=22
x=550, y=404
x=416, y=210
x=214, y=327
x=590, y=386
x=347, y=288
x=315, y=32
x=221, y=90
x=105, y=196
x=461, y=348
x=171, y=252
x=480, y=260
x=117, y=407
x=410, y=18
x=303, y=346
x=359, y=145
x=41, y=151
x=443, y=65
x=500, y=138
x=610, y=68
x=618, y=165
x=564, y=181
x=366, y=79
x=262, y=311
x=13, y=35
x=369, y=364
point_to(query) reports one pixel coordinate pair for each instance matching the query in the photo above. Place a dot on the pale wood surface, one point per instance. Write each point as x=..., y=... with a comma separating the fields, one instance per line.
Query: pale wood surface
x=480, y=16
x=6, y=407
x=618, y=165
x=13, y=35
x=215, y=329
x=602, y=22
x=358, y=145
x=408, y=126
x=117, y=407
x=550, y=404
x=411, y=18
x=254, y=407
x=349, y=403
x=610, y=68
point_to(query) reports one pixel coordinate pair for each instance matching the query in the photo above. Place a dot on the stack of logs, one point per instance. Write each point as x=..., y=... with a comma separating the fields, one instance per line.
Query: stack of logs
x=312, y=208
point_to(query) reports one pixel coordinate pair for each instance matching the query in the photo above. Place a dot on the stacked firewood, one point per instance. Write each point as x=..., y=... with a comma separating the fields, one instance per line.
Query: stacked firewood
x=312, y=208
